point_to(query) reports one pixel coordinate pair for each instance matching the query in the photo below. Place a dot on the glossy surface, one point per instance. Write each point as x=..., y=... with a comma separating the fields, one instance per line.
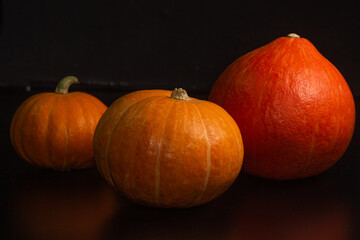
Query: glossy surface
x=39, y=204
x=165, y=152
x=294, y=109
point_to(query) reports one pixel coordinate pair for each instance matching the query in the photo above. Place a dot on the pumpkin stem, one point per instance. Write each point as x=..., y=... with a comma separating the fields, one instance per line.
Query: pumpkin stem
x=293, y=35
x=65, y=83
x=179, y=94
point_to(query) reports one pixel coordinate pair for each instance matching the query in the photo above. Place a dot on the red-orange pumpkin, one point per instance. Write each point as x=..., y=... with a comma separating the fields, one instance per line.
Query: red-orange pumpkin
x=164, y=149
x=295, y=110
x=55, y=130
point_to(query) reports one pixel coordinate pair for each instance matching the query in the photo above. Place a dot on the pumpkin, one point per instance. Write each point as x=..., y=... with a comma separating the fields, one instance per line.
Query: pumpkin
x=165, y=149
x=55, y=130
x=294, y=108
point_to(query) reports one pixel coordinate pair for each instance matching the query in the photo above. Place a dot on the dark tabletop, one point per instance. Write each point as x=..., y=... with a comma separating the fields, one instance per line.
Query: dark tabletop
x=45, y=204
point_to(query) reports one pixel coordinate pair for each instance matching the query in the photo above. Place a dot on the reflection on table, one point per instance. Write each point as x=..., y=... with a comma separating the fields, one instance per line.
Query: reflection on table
x=48, y=205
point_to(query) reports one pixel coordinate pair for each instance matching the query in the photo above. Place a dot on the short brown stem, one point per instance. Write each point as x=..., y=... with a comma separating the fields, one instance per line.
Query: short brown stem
x=179, y=94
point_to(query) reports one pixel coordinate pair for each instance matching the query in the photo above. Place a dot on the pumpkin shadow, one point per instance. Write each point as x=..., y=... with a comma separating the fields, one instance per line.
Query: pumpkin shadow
x=315, y=208
x=45, y=204
x=208, y=221
x=252, y=209
x=80, y=205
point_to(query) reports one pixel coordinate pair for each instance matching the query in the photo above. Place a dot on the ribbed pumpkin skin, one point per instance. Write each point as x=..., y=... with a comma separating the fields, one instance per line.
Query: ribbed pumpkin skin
x=54, y=130
x=295, y=110
x=164, y=152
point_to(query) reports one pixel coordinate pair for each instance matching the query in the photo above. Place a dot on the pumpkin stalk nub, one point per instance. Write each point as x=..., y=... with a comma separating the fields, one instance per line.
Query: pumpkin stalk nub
x=293, y=35
x=179, y=94
x=65, y=83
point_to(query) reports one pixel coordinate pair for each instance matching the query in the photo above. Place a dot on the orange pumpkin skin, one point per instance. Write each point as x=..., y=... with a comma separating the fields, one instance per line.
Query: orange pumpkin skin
x=165, y=152
x=294, y=108
x=55, y=130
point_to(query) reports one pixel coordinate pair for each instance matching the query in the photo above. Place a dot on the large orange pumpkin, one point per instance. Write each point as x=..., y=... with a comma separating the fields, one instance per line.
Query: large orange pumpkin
x=294, y=108
x=55, y=130
x=164, y=149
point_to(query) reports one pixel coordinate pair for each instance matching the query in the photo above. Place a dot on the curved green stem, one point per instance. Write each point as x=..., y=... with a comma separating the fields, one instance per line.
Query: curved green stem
x=65, y=83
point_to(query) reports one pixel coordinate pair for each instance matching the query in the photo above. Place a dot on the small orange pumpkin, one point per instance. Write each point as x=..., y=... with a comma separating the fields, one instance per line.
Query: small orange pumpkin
x=164, y=149
x=55, y=130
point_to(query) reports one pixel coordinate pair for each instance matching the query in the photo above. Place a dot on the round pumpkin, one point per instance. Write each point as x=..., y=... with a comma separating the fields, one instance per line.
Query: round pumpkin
x=294, y=108
x=55, y=130
x=164, y=149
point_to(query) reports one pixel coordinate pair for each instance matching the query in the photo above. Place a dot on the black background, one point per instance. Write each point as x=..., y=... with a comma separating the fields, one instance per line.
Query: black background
x=161, y=44
x=115, y=47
